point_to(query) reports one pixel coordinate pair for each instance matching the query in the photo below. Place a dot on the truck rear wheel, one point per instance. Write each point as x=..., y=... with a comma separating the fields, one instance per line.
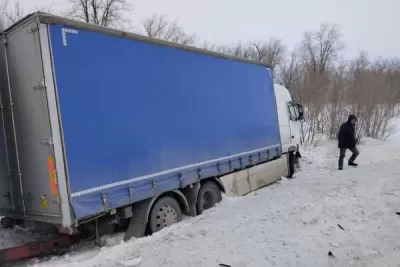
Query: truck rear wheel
x=165, y=212
x=209, y=195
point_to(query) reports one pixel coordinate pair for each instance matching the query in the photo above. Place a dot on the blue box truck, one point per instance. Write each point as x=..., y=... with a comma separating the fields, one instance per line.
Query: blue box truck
x=106, y=129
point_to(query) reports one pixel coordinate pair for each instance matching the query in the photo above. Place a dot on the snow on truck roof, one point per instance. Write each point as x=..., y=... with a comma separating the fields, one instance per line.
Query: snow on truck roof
x=47, y=18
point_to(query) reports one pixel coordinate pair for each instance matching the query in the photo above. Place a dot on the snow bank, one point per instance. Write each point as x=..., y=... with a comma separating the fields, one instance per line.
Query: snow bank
x=395, y=137
x=323, y=217
x=292, y=223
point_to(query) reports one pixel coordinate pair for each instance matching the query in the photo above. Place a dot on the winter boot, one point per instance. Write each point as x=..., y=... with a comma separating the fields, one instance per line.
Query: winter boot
x=353, y=164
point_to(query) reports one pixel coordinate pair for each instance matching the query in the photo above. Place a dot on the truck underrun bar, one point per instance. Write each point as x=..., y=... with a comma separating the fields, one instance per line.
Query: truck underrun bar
x=35, y=249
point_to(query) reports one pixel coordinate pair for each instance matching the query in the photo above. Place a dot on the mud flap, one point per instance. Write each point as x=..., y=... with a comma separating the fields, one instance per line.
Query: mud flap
x=191, y=196
x=138, y=222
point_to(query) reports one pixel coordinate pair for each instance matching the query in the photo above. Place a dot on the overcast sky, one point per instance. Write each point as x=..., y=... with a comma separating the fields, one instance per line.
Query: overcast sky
x=371, y=25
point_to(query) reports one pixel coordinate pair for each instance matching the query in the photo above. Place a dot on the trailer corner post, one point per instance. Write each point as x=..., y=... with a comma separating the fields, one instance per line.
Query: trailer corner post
x=56, y=131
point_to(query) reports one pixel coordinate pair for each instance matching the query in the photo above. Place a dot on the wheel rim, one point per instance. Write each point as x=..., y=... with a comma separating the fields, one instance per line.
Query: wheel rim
x=208, y=200
x=166, y=216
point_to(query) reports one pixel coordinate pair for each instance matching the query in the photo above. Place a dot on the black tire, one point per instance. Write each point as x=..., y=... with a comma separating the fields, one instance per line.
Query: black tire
x=165, y=212
x=6, y=223
x=209, y=195
x=291, y=163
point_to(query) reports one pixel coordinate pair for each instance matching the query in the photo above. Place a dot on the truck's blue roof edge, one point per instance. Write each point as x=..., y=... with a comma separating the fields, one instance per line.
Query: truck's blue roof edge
x=48, y=18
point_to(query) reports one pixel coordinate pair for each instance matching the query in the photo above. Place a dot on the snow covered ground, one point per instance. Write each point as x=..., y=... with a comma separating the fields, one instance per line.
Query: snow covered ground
x=297, y=222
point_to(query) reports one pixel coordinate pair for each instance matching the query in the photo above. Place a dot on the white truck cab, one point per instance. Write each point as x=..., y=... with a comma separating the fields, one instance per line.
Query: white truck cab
x=290, y=117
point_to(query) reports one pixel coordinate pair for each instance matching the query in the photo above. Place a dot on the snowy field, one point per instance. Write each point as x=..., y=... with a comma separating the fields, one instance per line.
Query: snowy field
x=350, y=213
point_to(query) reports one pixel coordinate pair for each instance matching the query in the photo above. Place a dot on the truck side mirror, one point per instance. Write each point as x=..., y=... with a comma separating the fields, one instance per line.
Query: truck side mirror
x=293, y=114
x=301, y=112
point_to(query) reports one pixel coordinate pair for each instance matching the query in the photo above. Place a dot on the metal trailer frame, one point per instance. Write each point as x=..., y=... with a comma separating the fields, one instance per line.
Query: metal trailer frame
x=60, y=193
x=43, y=89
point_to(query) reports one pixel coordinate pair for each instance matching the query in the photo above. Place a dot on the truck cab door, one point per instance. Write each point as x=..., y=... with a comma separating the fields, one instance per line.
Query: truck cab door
x=296, y=117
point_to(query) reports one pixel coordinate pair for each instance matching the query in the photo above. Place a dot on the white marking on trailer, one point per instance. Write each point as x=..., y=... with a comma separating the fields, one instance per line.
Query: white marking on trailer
x=64, y=32
x=107, y=186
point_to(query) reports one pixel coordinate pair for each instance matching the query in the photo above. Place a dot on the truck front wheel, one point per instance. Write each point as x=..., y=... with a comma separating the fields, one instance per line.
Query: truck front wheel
x=165, y=212
x=209, y=195
x=292, y=161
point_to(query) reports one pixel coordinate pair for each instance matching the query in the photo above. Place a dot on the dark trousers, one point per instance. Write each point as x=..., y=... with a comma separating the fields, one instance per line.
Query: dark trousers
x=353, y=157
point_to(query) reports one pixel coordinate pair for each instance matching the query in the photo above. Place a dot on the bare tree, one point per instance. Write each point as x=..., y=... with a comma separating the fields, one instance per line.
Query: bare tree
x=321, y=47
x=234, y=49
x=318, y=55
x=291, y=75
x=238, y=49
x=208, y=46
x=12, y=14
x=3, y=10
x=46, y=8
x=159, y=27
x=15, y=13
x=107, y=13
x=271, y=52
x=155, y=26
x=336, y=98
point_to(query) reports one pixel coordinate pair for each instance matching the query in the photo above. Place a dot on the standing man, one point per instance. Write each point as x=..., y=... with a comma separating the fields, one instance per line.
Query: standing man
x=347, y=140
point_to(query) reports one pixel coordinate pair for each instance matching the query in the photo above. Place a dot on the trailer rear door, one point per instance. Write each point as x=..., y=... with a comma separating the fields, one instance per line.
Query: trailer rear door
x=6, y=192
x=34, y=167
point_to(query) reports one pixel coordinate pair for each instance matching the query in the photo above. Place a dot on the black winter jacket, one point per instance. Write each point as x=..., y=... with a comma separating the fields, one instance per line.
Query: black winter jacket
x=347, y=135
